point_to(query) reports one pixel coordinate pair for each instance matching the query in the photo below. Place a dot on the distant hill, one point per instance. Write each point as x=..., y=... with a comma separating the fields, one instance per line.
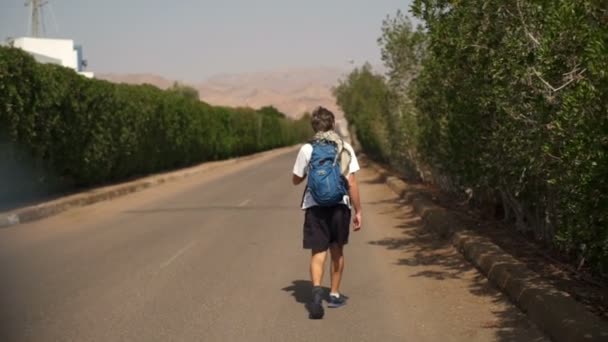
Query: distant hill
x=292, y=91
x=155, y=80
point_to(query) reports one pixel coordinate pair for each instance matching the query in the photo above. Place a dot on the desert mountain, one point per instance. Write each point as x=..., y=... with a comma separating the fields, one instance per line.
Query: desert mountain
x=155, y=80
x=292, y=91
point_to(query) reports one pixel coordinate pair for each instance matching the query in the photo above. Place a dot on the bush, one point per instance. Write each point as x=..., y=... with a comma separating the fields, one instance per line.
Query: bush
x=507, y=99
x=513, y=97
x=93, y=131
x=362, y=97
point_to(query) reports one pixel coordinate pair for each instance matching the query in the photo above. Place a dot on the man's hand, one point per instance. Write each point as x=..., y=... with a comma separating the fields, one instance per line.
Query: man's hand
x=357, y=221
x=356, y=200
x=297, y=179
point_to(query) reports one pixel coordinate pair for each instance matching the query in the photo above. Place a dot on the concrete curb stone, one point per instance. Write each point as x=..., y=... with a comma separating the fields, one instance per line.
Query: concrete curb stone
x=8, y=220
x=554, y=311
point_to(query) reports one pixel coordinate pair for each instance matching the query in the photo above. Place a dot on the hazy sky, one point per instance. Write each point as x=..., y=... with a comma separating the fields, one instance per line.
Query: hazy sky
x=194, y=39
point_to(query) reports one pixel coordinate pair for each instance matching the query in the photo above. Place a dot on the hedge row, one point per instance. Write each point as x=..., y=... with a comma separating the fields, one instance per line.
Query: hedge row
x=514, y=99
x=92, y=131
x=508, y=101
x=362, y=97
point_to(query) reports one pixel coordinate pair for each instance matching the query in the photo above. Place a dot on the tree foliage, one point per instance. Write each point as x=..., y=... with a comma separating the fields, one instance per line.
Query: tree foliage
x=184, y=90
x=362, y=97
x=508, y=100
x=93, y=131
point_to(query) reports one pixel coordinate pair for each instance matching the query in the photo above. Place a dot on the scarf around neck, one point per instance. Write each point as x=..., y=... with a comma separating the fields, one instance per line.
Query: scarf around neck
x=344, y=154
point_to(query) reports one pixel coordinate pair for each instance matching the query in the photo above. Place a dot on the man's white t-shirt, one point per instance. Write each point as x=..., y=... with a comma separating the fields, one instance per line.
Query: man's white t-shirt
x=300, y=169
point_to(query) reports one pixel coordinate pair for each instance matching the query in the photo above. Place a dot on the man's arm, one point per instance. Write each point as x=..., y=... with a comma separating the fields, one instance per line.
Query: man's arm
x=301, y=165
x=355, y=199
x=297, y=179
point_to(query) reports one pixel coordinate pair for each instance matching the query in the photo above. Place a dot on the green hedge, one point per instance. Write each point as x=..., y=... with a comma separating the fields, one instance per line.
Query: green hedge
x=513, y=97
x=362, y=97
x=507, y=100
x=92, y=131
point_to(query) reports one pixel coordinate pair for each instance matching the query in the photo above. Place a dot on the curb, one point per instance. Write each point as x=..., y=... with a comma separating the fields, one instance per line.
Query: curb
x=555, y=312
x=43, y=210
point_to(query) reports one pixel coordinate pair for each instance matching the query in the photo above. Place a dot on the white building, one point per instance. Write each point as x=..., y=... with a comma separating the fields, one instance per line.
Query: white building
x=56, y=51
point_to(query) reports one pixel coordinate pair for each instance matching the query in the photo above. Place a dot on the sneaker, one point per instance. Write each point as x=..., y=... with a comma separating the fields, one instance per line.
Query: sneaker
x=316, y=306
x=336, y=302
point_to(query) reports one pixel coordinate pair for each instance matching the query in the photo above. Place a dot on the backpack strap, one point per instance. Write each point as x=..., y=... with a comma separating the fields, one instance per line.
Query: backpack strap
x=338, y=153
x=313, y=141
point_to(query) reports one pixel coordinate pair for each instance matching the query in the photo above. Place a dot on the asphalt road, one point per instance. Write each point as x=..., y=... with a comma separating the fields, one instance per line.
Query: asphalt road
x=217, y=257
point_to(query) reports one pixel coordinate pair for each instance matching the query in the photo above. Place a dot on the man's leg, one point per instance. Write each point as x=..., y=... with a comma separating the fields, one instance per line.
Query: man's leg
x=340, y=231
x=337, y=266
x=316, y=237
x=317, y=264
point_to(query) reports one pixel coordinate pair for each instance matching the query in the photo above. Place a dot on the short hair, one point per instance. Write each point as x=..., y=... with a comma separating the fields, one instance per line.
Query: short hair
x=322, y=120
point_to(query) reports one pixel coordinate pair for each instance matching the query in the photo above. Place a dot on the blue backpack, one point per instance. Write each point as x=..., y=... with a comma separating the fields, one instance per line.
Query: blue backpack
x=325, y=181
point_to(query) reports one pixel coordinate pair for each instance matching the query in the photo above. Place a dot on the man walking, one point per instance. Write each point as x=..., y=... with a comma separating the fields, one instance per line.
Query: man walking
x=330, y=164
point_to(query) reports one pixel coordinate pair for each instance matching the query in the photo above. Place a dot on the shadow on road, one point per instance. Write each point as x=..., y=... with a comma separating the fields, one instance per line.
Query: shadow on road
x=301, y=290
x=431, y=257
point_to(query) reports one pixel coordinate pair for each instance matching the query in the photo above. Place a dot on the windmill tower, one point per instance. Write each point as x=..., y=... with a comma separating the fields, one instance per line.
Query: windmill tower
x=49, y=50
x=37, y=22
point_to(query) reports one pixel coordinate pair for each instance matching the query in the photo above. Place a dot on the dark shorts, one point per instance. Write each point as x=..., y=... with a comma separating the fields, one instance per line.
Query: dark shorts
x=326, y=226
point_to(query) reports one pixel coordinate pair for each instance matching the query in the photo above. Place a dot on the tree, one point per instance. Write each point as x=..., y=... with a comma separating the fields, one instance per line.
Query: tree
x=363, y=98
x=184, y=90
x=403, y=49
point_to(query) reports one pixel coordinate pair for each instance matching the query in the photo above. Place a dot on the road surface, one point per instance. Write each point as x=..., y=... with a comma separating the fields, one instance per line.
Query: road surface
x=217, y=257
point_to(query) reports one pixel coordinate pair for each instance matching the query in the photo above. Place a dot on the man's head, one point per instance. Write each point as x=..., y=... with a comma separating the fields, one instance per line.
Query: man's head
x=322, y=120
